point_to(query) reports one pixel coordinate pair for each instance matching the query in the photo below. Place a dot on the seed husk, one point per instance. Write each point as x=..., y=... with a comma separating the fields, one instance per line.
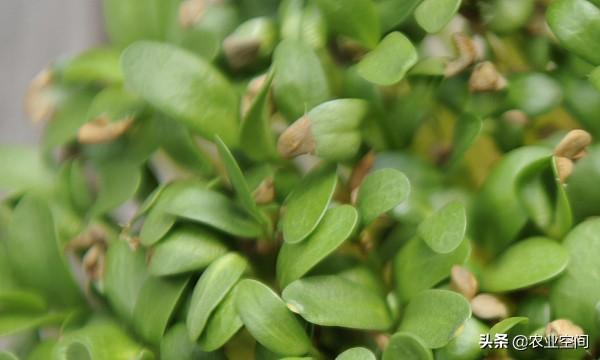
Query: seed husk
x=488, y=306
x=297, y=139
x=265, y=192
x=564, y=167
x=241, y=52
x=38, y=104
x=563, y=327
x=485, y=77
x=574, y=144
x=101, y=130
x=462, y=281
x=467, y=54
x=190, y=12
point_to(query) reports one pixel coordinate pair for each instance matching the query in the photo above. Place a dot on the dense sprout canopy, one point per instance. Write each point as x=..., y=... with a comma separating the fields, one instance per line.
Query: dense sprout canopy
x=310, y=179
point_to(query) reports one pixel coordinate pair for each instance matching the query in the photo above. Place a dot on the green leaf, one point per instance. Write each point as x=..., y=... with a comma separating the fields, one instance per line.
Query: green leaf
x=335, y=301
x=22, y=168
x=300, y=82
x=268, y=319
x=176, y=345
x=155, y=305
x=595, y=78
x=404, y=345
x=114, y=104
x=6, y=355
x=534, y=93
x=381, y=191
x=43, y=350
x=21, y=300
x=117, y=182
x=179, y=143
x=505, y=16
x=466, y=345
x=185, y=249
x=356, y=353
x=576, y=23
x=16, y=322
x=124, y=275
x=434, y=15
x=394, y=12
x=356, y=19
x=35, y=254
x=575, y=294
x=502, y=327
x=100, y=65
x=417, y=267
x=183, y=86
x=466, y=131
x=444, y=230
x=435, y=316
x=307, y=203
x=526, y=263
x=222, y=324
x=70, y=115
x=237, y=180
x=295, y=260
x=213, y=209
x=99, y=340
x=256, y=137
x=389, y=61
x=210, y=290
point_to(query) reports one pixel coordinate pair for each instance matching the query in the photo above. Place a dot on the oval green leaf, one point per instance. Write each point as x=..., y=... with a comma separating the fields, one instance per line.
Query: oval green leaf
x=503, y=326
x=466, y=345
x=433, y=15
x=356, y=19
x=335, y=301
x=268, y=319
x=357, y=353
x=435, y=316
x=381, y=191
x=185, y=249
x=222, y=324
x=183, y=86
x=444, y=230
x=210, y=290
x=526, y=263
x=404, y=345
x=295, y=260
x=307, y=203
x=389, y=61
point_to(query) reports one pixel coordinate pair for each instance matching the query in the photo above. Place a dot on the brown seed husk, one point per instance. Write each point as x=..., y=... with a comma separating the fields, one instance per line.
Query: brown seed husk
x=265, y=192
x=297, y=139
x=564, y=167
x=101, y=130
x=38, y=104
x=462, y=281
x=574, y=144
x=190, y=12
x=467, y=54
x=563, y=327
x=488, y=306
x=485, y=77
x=252, y=90
x=240, y=52
x=361, y=170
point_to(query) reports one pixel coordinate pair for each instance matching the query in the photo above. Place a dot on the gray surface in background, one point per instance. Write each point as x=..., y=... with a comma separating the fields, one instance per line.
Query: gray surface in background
x=32, y=34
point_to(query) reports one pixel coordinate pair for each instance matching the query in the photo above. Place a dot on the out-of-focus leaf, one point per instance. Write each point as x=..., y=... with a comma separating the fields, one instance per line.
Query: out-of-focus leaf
x=575, y=295
x=21, y=300
x=505, y=16
x=466, y=345
x=389, y=61
x=445, y=229
x=210, y=290
x=155, y=305
x=100, y=65
x=22, y=168
x=180, y=145
x=69, y=116
x=581, y=185
x=303, y=22
x=213, y=209
x=238, y=182
x=268, y=319
x=34, y=253
x=115, y=104
x=417, y=267
x=435, y=316
x=356, y=353
x=256, y=137
x=299, y=82
x=16, y=322
x=534, y=93
x=576, y=23
x=185, y=249
x=43, y=350
x=405, y=345
x=125, y=273
x=356, y=19
x=595, y=78
x=295, y=260
x=394, y=12
x=176, y=345
x=524, y=264
x=183, y=86
x=433, y=15
x=118, y=182
x=335, y=301
x=502, y=327
x=99, y=340
x=466, y=131
x=222, y=324
x=381, y=191
x=306, y=205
